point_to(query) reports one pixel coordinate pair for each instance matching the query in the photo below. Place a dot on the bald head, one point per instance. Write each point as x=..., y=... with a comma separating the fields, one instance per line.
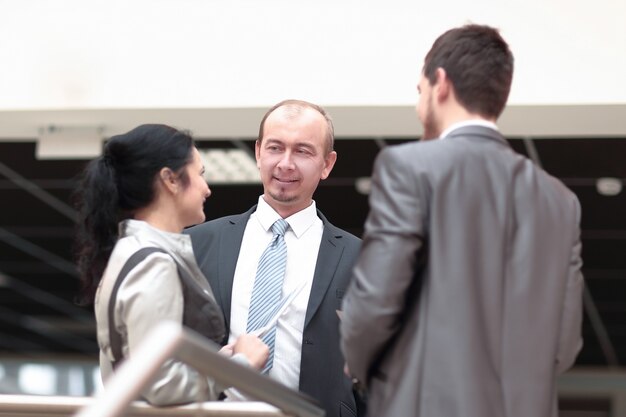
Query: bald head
x=292, y=109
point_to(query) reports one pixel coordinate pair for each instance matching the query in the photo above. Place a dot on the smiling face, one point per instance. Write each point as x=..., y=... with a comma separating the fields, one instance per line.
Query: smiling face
x=192, y=197
x=292, y=158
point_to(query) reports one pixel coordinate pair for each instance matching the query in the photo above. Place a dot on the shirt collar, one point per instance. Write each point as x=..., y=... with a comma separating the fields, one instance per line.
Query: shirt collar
x=465, y=123
x=172, y=240
x=299, y=222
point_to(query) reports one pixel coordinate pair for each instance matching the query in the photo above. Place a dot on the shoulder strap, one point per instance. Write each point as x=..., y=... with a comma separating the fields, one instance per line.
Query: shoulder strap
x=115, y=338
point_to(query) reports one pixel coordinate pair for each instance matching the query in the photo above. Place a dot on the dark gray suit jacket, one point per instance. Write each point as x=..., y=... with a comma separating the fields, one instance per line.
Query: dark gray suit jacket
x=216, y=245
x=467, y=295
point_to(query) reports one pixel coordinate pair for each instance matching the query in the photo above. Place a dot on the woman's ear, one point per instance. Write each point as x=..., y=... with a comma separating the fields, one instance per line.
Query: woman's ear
x=169, y=179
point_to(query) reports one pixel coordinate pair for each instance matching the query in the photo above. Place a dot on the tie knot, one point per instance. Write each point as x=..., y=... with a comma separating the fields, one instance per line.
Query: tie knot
x=279, y=227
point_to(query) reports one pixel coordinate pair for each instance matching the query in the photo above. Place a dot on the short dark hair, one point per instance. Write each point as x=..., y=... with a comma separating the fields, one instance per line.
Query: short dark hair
x=296, y=106
x=118, y=183
x=478, y=62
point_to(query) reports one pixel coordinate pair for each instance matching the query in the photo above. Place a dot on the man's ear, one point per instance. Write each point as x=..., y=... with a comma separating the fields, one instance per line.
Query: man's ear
x=257, y=152
x=329, y=163
x=169, y=180
x=443, y=85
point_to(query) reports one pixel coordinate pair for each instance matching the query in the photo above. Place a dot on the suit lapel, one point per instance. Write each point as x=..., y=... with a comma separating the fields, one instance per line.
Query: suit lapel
x=230, y=245
x=331, y=248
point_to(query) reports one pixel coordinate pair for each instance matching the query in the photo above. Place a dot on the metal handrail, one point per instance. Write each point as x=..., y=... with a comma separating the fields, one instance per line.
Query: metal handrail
x=171, y=341
x=578, y=383
x=63, y=406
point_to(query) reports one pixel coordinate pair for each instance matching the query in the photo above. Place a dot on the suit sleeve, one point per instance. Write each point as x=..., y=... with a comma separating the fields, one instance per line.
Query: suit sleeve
x=570, y=338
x=394, y=235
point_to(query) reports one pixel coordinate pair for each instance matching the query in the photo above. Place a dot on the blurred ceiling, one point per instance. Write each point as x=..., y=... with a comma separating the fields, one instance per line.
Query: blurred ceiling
x=38, y=281
x=581, y=120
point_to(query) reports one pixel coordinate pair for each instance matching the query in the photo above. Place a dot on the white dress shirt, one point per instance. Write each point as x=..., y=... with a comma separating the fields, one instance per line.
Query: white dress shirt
x=473, y=122
x=303, y=238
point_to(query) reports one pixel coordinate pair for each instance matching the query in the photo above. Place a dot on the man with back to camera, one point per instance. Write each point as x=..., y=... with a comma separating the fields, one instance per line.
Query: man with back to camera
x=294, y=151
x=466, y=298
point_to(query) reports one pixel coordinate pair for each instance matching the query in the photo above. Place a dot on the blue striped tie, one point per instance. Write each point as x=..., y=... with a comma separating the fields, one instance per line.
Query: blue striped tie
x=267, y=289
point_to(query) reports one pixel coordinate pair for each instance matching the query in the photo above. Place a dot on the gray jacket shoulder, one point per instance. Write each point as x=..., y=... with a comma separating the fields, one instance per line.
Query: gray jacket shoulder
x=211, y=225
x=335, y=232
x=206, y=236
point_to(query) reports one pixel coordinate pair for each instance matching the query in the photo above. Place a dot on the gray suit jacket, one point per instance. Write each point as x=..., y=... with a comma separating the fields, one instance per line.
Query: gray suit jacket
x=467, y=295
x=216, y=245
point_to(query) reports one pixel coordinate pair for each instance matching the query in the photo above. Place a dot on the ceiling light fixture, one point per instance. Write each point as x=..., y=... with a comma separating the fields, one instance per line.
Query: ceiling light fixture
x=229, y=166
x=69, y=142
x=363, y=185
x=609, y=186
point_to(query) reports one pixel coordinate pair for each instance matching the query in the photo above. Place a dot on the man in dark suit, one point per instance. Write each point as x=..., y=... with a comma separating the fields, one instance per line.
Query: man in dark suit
x=467, y=296
x=294, y=151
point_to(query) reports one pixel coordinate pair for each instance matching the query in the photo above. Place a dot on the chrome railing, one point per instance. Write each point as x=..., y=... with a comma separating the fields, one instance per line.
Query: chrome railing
x=596, y=383
x=64, y=406
x=170, y=340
